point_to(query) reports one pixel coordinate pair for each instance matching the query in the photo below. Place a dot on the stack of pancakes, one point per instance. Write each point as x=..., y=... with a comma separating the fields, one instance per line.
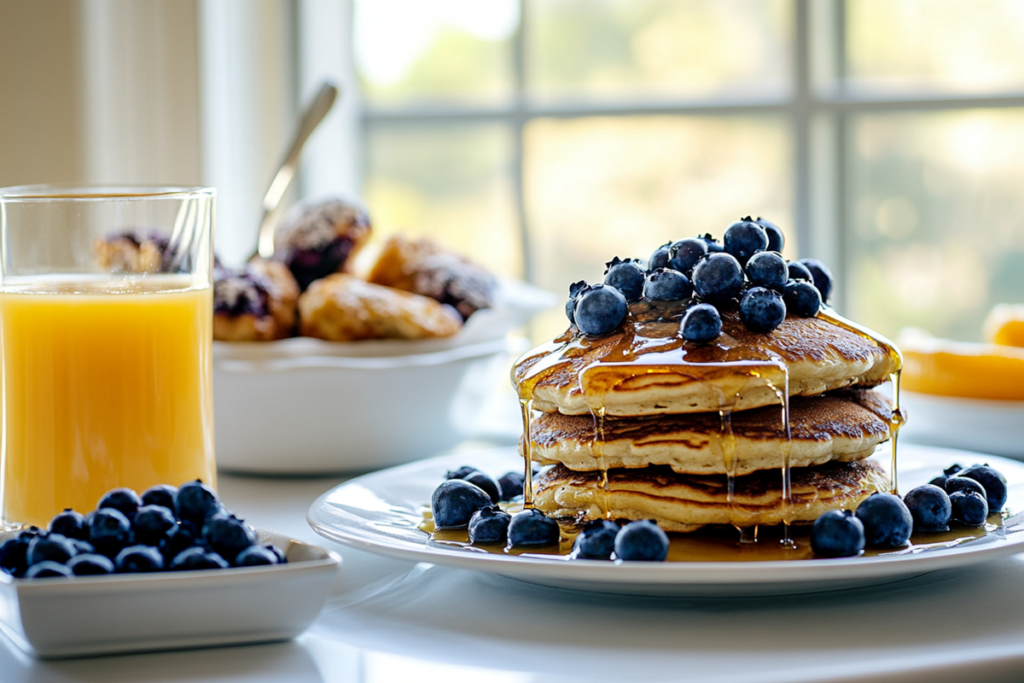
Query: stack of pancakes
x=642, y=425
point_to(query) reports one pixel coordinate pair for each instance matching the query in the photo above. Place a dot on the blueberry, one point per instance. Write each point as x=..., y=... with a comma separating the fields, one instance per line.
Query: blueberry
x=744, y=238
x=13, y=556
x=776, y=238
x=767, y=269
x=52, y=547
x=821, y=276
x=70, y=524
x=255, y=556
x=701, y=324
x=665, y=284
x=660, y=257
x=718, y=277
x=109, y=531
x=802, y=298
x=136, y=559
x=627, y=276
x=570, y=305
x=762, y=310
x=969, y=507
x=532, y=527
x=489, y=525
x=455, y=501
x=886, y=519
x=461, y=473
x=939, y=481
x=197, y=558
x=511, y=485
x=994, y=483
x=123, y=500
x=837, y=533
x=685, y=254
x=90, y=564
x=227, y=535
x=82, y=547
x=194, y=502
x=30, y=533
x=47, y=569
x=596, y=541
x=181, y=537
x=798, y=271
x=161, y=494
x=599, y=310
x=930, y=508
x=488, y=483
x=714, y=246
x=952, y=469
x=151, y=524
x=641, y=541
x=277, y=552
x=966, y=484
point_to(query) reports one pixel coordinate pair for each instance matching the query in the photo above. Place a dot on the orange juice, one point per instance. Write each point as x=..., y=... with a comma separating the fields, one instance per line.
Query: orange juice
x=107, y=383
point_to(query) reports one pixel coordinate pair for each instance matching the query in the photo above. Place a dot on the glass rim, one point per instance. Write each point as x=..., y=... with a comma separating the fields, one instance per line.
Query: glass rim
x=93, y=192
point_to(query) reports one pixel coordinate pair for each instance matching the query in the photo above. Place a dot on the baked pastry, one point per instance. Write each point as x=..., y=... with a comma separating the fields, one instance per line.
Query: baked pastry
x=134, y=252
x=344, y=308
x=421, y=266
x=315, y=239
x=257, y=303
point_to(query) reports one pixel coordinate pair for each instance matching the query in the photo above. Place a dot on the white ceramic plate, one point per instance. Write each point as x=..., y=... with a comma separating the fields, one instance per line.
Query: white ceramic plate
x=307, y=406
x=380, y=513
x=92, y=615
x=971, y=423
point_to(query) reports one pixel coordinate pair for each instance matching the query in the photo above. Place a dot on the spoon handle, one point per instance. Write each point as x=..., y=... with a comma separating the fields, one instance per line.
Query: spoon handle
x=311, y=118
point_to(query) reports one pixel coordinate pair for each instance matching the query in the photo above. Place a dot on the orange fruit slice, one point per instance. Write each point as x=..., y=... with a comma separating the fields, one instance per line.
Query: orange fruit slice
x=949, y=368
x=1005, y=325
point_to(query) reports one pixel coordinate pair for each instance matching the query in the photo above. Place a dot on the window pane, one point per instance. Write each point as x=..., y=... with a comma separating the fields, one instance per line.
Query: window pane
x=448, y=182
x=441, y=51
x=936, y=219
x=610, y=49
x=603, y=187
x=953, y=45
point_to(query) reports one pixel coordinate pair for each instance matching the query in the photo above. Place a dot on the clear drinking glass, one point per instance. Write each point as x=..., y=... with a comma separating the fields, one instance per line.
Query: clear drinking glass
x=106, y=310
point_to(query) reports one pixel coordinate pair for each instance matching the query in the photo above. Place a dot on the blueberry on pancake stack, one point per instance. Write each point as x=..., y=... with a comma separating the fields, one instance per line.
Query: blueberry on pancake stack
x=711, y=385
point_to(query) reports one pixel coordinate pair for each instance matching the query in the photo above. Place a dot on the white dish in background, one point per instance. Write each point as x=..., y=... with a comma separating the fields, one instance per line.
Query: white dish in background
x=307, y=406
x=969, y=423
x=380, y=512
x=93, y=615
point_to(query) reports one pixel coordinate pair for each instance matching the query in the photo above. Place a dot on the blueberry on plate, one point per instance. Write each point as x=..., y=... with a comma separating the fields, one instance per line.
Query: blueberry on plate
x=821, y=276
x=958, y=483
x=180, y=537
x=123, y=500
x=47, y=569
x=90, y=564
x=137, y=559
x=685, y=254
x=776, y=238
x=461, y=473
x=13, y=556
x=798, y=271
x=714, y=246
x=939, y=481
x=151, y=524
x=69, y=524
x=455, y=501
x=886, y=519
x=488, y=483
x=665, y=284
x=596, y=541
x=762, y=309
x=767, y=269
x=701, y=324
x=627, y=276
x=161, y=494
x=109, y=531
x=744, y=238
x=532, y=528
x=801, y=298
x=255, y=556
x=930, y=507
x=719, y=277
x=837, y=533
x=952, y=469
x=227, y=535
x=660, y=257
x=641, y=541
x=994, y=483
x=194, y=502
x=197, y=558
x=511, y=484
x=489, y=525
x=278, y=553
x=81, y=547
x=969, y=507
x=599, y=310
x=52, y=547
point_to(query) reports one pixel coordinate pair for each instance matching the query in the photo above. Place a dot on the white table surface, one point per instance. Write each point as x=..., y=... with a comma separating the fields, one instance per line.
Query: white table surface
x=389, y=620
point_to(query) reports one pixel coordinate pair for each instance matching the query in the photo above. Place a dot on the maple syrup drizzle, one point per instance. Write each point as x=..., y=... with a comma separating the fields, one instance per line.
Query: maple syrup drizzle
x=526, y=405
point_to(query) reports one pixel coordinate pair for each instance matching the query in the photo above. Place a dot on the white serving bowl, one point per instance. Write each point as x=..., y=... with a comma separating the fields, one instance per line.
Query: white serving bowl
x=307, y=406
x=995, y=427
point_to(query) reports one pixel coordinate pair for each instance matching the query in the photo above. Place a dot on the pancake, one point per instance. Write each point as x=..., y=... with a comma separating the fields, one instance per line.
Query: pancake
x=687, y=502
x=645, y=367
x=844, y=427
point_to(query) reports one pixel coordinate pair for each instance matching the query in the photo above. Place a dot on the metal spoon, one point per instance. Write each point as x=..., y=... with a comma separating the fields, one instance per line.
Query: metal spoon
x=311, y=118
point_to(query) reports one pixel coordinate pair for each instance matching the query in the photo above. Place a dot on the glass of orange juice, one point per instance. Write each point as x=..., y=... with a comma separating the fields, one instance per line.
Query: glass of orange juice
x=106, y=312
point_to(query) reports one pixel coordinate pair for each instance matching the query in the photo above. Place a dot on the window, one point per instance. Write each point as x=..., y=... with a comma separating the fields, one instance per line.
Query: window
x=544, y=137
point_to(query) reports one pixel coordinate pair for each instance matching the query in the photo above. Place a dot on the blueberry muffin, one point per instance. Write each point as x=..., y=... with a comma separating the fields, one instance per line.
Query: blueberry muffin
x=255, y=304
x=134, y=252
x=315, y=239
